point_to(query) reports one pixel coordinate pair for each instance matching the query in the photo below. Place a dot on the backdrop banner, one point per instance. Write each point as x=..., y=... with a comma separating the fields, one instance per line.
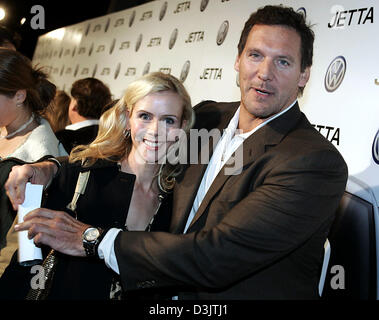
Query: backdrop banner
x=196, y=41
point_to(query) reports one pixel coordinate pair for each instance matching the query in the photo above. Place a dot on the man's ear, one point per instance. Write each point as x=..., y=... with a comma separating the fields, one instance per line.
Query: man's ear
x=73, y=105
x=237, y=64
x=304, y=77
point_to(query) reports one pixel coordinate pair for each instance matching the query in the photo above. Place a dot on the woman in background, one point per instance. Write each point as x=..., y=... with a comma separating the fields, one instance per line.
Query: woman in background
x=25, y=93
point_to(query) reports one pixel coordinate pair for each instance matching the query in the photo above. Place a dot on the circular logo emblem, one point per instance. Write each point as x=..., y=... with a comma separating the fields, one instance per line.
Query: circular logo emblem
x=94, y=71
x=132, y=17
x=174, y=36
x=162, y=13
x=375, y=148
x=107, y=25
x=117, y=70
x=303, y=12
x=222, y=32
x=139, y=41
x=185, y=71
x=146, y=69
x=112, y=46
x=76, y=70
x=335, y=74
x=87, y=29
x=90, y=50
x=203, y=5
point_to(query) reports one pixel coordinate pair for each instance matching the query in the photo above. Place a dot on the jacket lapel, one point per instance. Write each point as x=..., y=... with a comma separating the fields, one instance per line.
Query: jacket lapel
x=187, y=186
x=251, y=149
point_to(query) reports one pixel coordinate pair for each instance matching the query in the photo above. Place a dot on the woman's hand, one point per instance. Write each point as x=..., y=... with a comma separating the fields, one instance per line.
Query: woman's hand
x=56, y=229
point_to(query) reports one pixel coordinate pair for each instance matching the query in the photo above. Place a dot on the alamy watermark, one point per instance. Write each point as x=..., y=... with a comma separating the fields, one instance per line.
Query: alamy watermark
x=38, y=20
x=174, y=146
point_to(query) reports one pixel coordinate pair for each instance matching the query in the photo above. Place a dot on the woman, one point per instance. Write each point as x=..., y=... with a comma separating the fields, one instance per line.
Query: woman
x=130, y=180
x=25, y=93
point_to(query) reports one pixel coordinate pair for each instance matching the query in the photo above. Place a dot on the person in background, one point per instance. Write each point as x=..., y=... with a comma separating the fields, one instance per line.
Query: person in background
x=9, y=39
x=57, y=112
x=25, y=136
x=129, y=186
x=88, y=98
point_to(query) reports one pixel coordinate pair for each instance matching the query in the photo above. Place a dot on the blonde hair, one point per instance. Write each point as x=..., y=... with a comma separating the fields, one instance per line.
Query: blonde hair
x=111, y=142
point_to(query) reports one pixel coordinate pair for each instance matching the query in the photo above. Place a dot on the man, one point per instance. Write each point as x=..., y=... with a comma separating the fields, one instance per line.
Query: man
x=89, y=97
x=255, y=235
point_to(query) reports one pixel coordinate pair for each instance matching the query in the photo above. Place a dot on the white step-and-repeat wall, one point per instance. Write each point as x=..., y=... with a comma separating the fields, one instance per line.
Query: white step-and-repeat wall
x=196, y=41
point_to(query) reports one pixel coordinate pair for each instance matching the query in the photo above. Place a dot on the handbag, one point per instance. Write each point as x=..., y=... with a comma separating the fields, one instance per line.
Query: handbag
x=50, y=263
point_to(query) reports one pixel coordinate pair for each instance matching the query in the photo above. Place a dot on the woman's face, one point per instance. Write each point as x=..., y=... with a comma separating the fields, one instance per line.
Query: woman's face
x=154, y=124
x=8, y=110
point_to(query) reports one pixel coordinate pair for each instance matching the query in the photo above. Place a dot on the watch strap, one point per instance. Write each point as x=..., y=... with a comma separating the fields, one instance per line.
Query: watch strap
x=91, y=248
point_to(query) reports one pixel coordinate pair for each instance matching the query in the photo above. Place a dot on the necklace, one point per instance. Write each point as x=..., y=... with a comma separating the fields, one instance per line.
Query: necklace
x=19, y=129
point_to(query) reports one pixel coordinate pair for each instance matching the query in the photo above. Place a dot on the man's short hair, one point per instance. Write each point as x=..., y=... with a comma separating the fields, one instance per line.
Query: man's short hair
x=91, y=95
x=284, y=16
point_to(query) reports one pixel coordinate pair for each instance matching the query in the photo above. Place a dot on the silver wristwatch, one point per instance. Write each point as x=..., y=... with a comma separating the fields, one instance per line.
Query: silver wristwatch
x=91, y=239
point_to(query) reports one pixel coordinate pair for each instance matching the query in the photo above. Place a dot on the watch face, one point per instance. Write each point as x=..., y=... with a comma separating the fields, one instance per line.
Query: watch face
x=91, y=234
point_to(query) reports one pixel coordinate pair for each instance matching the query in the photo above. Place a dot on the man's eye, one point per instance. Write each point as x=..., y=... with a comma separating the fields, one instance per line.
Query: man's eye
x=283, y=63
x=254, y=55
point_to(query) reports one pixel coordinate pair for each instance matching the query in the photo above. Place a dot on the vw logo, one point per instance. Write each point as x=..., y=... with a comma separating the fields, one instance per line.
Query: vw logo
x=94, y=71
x=139, y=41
x=117, y=70
x=203, y=5
x=375, y=148
x=132, y=17
x=173, y=38
x=76, y=70
x=163, y=11
x=303, y=12
x=335, y=74
x=185, y=71
x=146, y=69
x=222, y=32
x=107, y=25
x=90, y=49
x=112, y=46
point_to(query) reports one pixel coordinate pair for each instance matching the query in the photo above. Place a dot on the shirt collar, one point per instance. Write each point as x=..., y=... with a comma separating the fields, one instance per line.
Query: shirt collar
x=81, y=124
x=233, y=124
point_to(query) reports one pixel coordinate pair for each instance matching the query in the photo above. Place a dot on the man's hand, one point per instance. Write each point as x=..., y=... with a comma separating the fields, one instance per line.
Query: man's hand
x=56, y=229
x=36, y=173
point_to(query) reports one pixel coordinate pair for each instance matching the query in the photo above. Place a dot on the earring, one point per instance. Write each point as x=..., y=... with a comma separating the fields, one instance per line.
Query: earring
x=19, y=104
x=126, y=133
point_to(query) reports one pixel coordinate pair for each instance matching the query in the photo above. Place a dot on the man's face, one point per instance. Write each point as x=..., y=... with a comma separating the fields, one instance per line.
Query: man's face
x=269, y=71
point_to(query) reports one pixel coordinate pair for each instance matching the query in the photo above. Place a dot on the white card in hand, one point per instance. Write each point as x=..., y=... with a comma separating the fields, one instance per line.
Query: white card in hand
x=28, y=253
